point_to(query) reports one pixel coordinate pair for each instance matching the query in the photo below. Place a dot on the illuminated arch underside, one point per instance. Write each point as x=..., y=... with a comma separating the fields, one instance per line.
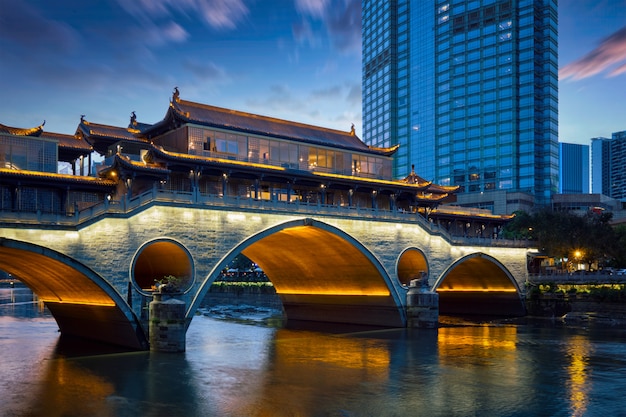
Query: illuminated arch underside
x=478, y=285
x=80, y=306
x=321, y=276
x=411, y=263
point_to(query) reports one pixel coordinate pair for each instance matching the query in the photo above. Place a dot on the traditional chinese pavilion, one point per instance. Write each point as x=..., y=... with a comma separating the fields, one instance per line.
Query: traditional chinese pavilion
x=205, y=150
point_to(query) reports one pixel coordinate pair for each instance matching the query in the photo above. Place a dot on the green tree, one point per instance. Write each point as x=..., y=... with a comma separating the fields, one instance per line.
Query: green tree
x=241, y=262
x=585, y=238
x=618, y=249
x=520, y=227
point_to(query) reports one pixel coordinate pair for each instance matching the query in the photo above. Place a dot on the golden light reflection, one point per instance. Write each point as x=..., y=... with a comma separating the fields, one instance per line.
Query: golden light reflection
x=299, y=357
x=343, y=352
x=578, y=353
x=459, y=343
x=70, y=390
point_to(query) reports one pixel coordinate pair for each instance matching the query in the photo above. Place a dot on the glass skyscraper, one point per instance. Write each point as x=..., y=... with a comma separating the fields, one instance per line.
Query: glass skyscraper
x=573, y=168
x=608, y=165
x=467, y=88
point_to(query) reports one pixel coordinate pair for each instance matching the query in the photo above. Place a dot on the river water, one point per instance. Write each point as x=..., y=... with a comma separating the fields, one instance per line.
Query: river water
x=242, y=362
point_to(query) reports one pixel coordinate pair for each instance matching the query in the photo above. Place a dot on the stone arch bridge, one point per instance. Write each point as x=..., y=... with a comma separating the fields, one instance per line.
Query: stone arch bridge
x=95, y=275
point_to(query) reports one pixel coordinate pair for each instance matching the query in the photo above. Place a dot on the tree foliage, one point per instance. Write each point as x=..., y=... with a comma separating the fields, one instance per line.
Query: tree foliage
x=589, y=238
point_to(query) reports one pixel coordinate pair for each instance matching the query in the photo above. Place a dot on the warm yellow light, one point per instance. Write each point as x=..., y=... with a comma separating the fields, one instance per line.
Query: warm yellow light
x=79, y=302
x=235, y=217
x=225, y=161
x=476, y=290
x=371, y=293
x=374, y=180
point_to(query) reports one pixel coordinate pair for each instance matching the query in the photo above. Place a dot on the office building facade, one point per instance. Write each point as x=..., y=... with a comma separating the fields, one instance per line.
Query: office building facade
x=608, y=165
x=573, y=168
x=468, y=89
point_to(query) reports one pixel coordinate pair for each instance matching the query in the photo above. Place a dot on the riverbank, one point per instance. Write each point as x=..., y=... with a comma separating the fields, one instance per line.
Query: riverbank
x=597, y=304
x=256, y=294
x=600, y=304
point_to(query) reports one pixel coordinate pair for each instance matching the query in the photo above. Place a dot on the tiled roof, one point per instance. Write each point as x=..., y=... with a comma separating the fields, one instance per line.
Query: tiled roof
x=67, y=141
x=37, y=175
x=413, y=178
x=17, y=131
x=139, y=166
x=121, y=133
x=207, y=115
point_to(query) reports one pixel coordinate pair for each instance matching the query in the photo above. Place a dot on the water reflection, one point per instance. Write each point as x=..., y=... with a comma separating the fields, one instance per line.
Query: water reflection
x=232, y=369
x=578, y=353
x=114, y=384
x=19, y=301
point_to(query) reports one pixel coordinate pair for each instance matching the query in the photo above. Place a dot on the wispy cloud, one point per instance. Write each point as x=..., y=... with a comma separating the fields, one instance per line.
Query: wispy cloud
x=354, y=94
x=157, y=35
x=219, y=14
x=340, y=18
x=316, y=8
x=344, y=26
x=610, y=52
x=303, y=33
x=208, y=71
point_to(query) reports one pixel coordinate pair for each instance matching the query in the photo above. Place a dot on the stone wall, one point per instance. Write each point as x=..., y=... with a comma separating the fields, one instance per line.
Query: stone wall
x=109, y=246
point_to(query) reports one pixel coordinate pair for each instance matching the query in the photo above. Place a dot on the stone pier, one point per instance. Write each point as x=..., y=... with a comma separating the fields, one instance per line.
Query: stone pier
x=422, y=305
x=167, y=324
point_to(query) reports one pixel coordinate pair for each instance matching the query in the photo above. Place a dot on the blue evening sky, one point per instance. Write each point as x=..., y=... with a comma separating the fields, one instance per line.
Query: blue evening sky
x=293, y=59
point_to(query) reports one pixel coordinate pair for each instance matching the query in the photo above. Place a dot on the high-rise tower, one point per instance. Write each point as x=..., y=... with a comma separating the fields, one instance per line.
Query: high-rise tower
x=468, y=89
x=608, y=164
x=573, y=168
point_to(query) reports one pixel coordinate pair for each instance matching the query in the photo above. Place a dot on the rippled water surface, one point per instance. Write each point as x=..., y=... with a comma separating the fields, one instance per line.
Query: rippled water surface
x=238, y=365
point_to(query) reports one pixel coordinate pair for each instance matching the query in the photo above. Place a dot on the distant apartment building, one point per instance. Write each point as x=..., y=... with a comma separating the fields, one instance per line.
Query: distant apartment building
x=469, y=92
x=573, y=168
x=608, y=165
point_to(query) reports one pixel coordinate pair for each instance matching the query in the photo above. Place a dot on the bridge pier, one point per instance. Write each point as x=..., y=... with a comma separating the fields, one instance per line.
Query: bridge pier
x=167, y=324
x=422, y=305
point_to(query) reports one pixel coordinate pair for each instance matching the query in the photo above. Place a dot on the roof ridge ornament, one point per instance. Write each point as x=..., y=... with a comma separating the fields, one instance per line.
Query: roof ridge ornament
x=176, y=95
x=352, y=130
x=133, y=118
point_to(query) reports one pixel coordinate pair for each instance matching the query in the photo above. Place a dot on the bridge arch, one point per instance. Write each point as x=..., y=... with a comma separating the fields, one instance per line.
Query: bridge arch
x=159, y=258
x=82, y=302
x=321, y=274
x=410, y=265
x=479, y=284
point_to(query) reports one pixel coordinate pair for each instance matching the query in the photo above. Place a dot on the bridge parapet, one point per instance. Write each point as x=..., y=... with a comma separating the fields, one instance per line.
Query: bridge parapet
x=128, y=206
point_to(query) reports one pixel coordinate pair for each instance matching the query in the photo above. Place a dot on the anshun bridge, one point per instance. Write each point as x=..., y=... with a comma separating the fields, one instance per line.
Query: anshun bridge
x=315, y=208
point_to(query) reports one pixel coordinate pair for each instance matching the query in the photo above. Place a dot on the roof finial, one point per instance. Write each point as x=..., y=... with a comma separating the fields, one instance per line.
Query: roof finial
x=176, y=95
x=412, y=168
x=82, y=118
x=133, y=118
x=352, y=131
